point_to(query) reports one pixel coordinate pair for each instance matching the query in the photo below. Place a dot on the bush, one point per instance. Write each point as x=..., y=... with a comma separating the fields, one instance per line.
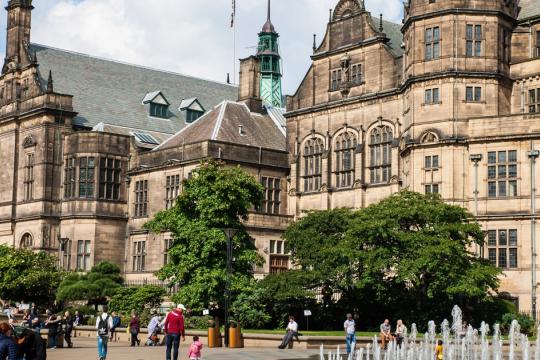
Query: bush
x=198, y=322
x=137, y=299
x=525, y=322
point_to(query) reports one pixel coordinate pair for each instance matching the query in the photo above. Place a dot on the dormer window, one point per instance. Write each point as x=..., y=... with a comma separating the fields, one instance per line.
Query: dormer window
x=159, y=110
x=158, y=104
x=192, y=109
x=192, y=115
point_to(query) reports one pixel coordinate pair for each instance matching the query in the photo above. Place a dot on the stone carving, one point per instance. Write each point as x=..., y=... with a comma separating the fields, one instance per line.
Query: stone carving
x=29, y=141
x=346, y=8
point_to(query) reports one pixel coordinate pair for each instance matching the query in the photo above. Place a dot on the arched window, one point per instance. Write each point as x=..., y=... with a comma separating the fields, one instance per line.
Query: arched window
x=313, y=151
x=380, y=145
x=344, y=150
x=27, y=241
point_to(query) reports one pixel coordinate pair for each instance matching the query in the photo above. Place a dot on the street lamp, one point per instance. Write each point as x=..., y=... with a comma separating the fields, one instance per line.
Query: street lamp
x=533, y=155
x=476, y=158
x=229, y=233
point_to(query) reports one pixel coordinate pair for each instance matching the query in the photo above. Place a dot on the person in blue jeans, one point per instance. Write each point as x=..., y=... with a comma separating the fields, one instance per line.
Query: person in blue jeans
x=350, y=332
x=104, y=324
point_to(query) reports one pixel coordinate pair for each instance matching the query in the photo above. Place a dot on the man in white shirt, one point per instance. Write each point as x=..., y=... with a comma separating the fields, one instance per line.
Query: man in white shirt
x=350, y=332
x=104, y=324
x=292, y=331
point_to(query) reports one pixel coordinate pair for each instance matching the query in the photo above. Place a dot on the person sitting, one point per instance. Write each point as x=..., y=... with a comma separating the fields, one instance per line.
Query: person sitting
x=401, y=332
x=292, y=332
x=386, y=335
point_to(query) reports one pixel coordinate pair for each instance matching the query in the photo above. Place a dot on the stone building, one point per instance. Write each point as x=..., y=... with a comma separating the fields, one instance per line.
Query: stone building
x=92, y=148
x=447, y=102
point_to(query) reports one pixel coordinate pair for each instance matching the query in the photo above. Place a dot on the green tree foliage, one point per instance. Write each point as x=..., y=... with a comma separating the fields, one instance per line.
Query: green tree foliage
x=137, y=298
x=408, y=256
x=215, y=197
x=28, y=276
x=95, y=287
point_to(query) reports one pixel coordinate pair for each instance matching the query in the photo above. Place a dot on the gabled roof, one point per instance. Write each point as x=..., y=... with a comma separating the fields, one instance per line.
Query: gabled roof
x=529, y=9
x=111, y=92
x=188, y=104
x=234, y=123
x=151, y=96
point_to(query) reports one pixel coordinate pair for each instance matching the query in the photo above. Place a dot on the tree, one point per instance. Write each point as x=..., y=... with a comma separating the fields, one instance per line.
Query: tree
x=95, y=287
x=421, y=246
x=408, y=256
x=318, y=244
x=216, y=197
x=28, y=276
x=137, y=298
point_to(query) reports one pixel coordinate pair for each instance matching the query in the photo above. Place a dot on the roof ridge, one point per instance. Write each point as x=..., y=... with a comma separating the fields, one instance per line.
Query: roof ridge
x=219, y=120
x=130, y=64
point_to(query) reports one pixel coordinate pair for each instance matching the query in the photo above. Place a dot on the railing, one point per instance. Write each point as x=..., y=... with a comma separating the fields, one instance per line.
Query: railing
x=159, y=283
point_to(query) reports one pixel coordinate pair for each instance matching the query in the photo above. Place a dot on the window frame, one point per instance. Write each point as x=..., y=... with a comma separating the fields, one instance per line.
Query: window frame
x=474, y=40
x=432, y=96
x=345, y=159
x=502, y=174
x=172, y=190
x=473, y=94
x=28, y=187
x=335, y=79
x=159, y=110
x=432, y=47
x=534, y=100
x=139, y=253
x=87, y=177
x=503, y=252
x=271, y=203
x=84, y=251
x=312, y=165
x=110, y=178
x=380, y=153
x=141, y=199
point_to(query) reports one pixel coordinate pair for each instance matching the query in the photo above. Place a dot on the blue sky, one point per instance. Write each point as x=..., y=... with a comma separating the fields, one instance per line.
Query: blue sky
x=187, y=36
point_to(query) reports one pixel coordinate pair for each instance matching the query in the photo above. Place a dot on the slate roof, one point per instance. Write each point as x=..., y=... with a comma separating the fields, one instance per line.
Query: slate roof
x=111, y=92
x=393, y=32
x=224, y=122
x=529, y=9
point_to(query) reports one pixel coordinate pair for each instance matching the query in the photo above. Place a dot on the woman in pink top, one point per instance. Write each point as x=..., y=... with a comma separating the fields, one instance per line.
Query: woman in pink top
x=195, y=349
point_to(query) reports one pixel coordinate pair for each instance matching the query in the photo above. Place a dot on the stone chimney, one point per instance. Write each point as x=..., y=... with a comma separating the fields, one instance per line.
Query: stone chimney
x=249, y=86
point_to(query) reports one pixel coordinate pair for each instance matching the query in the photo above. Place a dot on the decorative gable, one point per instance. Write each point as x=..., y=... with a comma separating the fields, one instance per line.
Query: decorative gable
x=29, y=142
x=155, y=97
x=191, y=104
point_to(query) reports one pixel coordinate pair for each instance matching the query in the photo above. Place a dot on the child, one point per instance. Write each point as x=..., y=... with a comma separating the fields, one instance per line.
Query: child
x=439, y=350
x=195, y=349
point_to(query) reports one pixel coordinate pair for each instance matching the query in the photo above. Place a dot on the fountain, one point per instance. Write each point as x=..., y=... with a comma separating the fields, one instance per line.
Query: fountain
x=459, y=344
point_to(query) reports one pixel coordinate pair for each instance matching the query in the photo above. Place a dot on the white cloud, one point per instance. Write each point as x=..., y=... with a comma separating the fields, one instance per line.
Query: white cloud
x=191, y=37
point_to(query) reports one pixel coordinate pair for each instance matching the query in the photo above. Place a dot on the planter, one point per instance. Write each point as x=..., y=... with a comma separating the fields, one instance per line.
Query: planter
x=235, y=337
x=214, y=337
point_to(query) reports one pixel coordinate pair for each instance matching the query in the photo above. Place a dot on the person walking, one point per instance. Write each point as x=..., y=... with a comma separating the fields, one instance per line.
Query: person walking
x=117, y=322
x=8, y=348
x=52, y=324
x=195, y=350
x=174, y=330
x=68, y=328
x=350, y=333
x=135, y=328
x=153, y=330
x=291, y=332
x=104, y=324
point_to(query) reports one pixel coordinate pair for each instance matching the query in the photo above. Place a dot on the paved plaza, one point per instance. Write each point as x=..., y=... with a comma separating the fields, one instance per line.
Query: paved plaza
x=86, y=350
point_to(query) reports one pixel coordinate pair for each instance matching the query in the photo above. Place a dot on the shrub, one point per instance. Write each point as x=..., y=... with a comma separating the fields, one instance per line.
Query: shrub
x=525, y=322
x=199, y=322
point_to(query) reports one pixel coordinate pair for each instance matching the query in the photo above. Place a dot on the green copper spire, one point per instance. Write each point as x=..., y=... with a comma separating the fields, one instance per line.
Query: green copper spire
x=270, y=60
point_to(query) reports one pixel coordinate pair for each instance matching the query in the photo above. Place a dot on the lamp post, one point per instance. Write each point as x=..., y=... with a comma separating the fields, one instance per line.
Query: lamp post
x=229, y=233
x=533, y=155
x=476, y=158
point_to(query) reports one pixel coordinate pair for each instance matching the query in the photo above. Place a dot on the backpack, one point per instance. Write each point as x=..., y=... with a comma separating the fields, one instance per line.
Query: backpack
x=103, y=326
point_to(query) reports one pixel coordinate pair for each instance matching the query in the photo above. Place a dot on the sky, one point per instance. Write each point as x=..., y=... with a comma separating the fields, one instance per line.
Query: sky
x=191, y=37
